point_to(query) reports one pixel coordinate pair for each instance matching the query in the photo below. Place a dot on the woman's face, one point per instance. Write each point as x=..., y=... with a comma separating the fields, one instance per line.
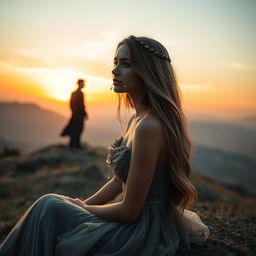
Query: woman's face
x=125, y=79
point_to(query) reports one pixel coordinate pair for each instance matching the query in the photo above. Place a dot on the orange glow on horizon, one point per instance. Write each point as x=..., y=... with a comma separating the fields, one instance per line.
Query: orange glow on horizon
x=52, y=88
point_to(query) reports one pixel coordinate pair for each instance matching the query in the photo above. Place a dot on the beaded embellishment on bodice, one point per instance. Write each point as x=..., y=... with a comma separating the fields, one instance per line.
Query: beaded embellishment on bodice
x=118, y=159
x=114, y=151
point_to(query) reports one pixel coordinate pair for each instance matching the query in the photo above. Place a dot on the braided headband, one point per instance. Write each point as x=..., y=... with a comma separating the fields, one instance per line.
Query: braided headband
x=150, y=49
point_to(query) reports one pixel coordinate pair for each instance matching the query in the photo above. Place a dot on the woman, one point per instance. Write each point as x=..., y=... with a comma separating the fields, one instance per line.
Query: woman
x=151, y=173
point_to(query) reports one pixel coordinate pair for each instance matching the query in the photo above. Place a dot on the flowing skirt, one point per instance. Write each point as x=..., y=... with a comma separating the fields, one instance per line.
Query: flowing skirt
x=56, y=225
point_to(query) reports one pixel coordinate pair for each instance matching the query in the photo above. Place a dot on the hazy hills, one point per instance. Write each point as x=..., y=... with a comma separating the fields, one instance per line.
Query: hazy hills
x=5, y=142
x=249, y=121
x=30, y=127
x=229, y=168
x=227, y=136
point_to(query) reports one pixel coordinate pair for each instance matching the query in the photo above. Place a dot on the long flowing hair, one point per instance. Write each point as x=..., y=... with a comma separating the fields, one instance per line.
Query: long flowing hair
x=163, y=97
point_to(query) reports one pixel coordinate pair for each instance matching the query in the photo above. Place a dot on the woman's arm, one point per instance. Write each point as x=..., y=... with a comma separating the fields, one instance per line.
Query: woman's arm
x=109, y=191
x=147, y=144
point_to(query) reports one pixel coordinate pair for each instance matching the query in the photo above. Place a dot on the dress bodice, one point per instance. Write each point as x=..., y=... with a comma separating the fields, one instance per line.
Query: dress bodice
x=118, y=159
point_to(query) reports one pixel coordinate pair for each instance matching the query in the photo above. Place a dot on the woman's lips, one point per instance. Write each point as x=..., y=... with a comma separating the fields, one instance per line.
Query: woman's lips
x=117, y=83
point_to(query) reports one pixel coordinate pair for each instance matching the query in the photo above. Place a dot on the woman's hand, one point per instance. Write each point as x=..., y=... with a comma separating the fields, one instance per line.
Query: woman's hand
x=78, y=202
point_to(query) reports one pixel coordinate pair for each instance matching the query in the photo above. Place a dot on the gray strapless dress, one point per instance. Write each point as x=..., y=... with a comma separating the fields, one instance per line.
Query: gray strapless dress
x=56, y=225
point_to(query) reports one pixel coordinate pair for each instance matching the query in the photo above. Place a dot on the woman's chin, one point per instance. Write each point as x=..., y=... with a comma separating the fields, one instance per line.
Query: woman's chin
x=119, y=89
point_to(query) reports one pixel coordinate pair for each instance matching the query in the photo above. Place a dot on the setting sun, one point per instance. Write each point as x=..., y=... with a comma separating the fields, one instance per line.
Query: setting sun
x=59, y=83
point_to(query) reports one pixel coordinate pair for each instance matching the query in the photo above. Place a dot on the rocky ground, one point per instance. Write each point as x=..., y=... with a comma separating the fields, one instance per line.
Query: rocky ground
x=231, y=218
x=232, y=230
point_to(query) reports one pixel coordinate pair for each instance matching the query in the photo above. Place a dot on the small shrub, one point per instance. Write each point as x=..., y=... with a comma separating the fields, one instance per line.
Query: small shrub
x=6, y=151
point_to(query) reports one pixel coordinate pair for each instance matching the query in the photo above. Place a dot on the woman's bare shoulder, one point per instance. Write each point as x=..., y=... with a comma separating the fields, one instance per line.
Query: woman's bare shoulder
x=149, y=127
x=149, y=123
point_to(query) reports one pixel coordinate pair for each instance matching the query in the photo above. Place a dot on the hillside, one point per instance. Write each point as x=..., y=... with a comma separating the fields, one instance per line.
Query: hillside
x=54, y=169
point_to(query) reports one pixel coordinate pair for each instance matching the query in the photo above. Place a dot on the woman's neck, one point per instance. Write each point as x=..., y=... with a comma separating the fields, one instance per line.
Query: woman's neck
x=138, y=102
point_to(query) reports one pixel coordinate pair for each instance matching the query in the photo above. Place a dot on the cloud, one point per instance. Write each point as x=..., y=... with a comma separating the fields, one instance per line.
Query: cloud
x=35, y=55
x=239, y=66
x=93, y=56
x=195, y=87
x=27, y=58
x=90, y=62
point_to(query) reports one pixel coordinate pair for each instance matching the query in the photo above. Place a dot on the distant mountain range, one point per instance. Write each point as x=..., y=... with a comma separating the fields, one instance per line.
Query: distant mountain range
x=249, y=122
x=229, y=168
x=5, y=143
x=225, y=152
x=226, y=136
x=28, y=126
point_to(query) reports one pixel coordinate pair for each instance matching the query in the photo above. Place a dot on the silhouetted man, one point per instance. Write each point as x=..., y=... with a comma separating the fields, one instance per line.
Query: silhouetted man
x=76, y=123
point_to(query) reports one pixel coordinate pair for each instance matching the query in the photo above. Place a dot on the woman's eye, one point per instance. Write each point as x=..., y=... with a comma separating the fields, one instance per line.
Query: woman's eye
x=125, y=64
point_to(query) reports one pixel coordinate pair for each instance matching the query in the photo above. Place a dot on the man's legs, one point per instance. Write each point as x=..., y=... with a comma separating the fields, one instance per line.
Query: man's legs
x=77, y=142
x=79, y=133
x=72, y=142
x=76, y=131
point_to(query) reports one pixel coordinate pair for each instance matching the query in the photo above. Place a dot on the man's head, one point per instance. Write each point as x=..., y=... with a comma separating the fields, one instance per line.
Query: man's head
x=81, y=83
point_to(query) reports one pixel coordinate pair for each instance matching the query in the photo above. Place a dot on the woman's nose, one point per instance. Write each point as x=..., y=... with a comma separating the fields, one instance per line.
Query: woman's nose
x=115, y=71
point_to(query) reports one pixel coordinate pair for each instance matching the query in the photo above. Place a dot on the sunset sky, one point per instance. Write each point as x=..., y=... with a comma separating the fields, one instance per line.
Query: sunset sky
x=47, y=44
